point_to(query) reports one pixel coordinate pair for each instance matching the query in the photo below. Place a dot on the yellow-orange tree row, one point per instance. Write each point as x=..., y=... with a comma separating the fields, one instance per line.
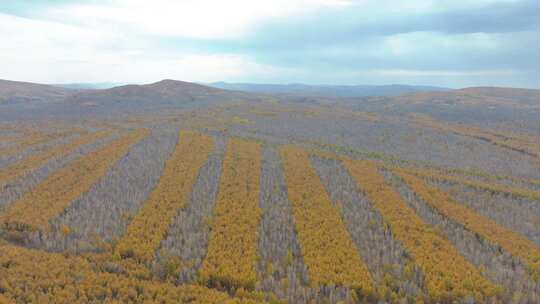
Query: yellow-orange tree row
x=510, y=241
x=232, y=249
x=516, y=142
x=493, y=188
x=50, y=198
x=31, y=276
x=447, y=275
x=327, y=248
x=35, y=161
x=29, y=140
x=9, y=138
x=489, y=179
x=151, y=223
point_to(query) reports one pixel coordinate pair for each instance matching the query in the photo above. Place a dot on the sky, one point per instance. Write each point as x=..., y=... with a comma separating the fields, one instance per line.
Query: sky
x=450, y=43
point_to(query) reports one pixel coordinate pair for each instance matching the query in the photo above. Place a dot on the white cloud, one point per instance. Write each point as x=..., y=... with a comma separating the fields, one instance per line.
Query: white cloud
x=50, y=52
x=200, y=68
x=450, y=78
x=441, y=73
x=233, y=18
x=428, y=42
x=188, y=18
x=130, y=41
x=382, y=7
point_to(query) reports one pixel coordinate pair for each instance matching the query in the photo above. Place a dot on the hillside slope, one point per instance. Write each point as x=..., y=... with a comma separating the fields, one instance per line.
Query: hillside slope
x=165, y=92
x=24, y=92
x=326, y=90
x=476, y=96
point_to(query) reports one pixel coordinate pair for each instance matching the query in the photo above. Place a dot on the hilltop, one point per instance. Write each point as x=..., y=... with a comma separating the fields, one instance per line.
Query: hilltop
x=24, y=92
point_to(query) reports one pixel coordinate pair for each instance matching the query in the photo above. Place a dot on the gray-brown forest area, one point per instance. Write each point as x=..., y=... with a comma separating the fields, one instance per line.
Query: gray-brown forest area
x=483, y=166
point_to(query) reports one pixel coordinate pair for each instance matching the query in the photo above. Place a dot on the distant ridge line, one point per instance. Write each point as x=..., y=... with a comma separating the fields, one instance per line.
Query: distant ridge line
x=328, y=90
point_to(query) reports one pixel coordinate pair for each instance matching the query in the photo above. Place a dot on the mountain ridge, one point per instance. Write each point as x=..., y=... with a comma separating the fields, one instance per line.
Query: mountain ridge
x=327, y=89
x=175, y=92
x=24, y=92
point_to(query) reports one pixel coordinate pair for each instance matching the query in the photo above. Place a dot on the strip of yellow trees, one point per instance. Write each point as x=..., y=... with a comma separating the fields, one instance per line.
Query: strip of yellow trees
x=35, y=161
x=510, y=241
x=517, y=142
x=327, y=248
x=232, y=249
x=50, y=198
x=447, y=275
x=493, y=188
x=32, y=276
x=150, y=225
x=28, y=141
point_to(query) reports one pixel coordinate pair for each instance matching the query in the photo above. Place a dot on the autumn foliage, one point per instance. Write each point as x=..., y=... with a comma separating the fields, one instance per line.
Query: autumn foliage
x=49, y=199
x=29, y=140
x=490, y=187
x=202, y=216
x=32, y=162
x=448, y=276
x=327, y=248
x=32, y=276
x=517, y=142
x=510, y=241
x=232, y=249
x=150, y=225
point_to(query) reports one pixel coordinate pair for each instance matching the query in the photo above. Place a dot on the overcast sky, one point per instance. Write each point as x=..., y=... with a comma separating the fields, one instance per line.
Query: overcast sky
x=453, y=43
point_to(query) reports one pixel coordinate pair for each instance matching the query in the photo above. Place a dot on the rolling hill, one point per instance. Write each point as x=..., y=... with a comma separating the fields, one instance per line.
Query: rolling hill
x=467, y=102
x=167, y=192
x=476, y=96
x=165, y=92
x=25, y=92
x=326, y=90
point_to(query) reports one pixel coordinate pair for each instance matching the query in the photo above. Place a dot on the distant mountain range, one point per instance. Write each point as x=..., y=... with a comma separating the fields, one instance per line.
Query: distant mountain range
x=475, y=96
x=165, y=91
x=292, y=89
x=328, y=90
x=172, y=93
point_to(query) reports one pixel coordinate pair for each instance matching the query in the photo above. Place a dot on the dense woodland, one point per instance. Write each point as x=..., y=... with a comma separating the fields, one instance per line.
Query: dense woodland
x=270, y=200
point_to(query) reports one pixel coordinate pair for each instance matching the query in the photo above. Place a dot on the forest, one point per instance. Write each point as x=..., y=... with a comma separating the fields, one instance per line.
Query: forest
x=269, y=199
